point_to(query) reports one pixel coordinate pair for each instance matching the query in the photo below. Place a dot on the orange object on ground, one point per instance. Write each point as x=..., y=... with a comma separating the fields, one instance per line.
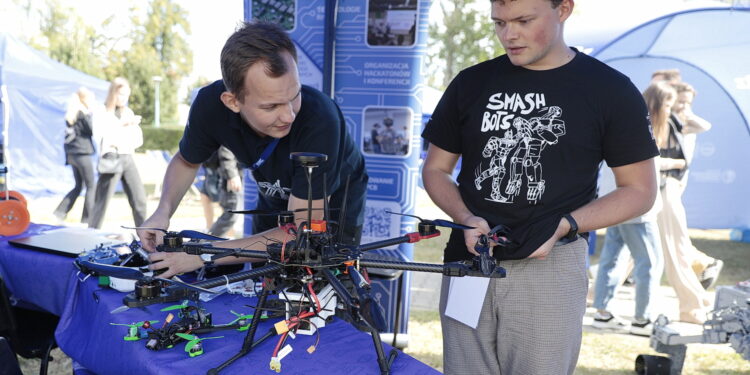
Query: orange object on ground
x=14, y=217
x=12, y=194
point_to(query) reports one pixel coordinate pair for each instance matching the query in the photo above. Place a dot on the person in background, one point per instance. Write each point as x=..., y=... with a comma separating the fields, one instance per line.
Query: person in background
x=375, y=138
x=121, y=134
x=222, y=184
x=676, y=244
x=641, y=237
x=705, y=267
x=79, y=147
x=531, y=127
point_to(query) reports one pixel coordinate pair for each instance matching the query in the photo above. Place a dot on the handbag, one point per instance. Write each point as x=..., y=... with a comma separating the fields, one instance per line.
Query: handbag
x=109, y=163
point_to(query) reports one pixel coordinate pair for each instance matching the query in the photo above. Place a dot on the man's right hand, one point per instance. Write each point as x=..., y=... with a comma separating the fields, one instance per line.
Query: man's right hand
x=471, y=236
x=150, y=237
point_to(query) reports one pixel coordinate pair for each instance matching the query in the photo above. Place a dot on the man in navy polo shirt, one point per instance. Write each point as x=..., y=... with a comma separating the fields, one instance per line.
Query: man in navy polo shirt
x=262, y=113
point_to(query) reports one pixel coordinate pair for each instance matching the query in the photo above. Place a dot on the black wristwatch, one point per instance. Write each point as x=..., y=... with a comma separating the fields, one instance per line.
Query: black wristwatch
x=573, y=232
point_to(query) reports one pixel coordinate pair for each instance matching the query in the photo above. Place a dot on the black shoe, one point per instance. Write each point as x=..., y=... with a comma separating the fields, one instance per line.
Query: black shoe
x=710, y=275
x=641, y=327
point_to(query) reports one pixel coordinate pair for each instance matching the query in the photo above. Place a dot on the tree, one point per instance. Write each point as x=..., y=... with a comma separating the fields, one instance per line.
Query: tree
x=68, y=39
x=158, y=48
x=464, y=38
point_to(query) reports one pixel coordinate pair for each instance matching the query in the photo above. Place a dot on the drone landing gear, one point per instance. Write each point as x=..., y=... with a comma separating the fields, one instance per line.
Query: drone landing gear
x=248, y=344
x=355, y=308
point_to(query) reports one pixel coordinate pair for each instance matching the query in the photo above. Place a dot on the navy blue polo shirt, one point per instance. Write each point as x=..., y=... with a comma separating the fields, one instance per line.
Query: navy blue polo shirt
x=319, y=127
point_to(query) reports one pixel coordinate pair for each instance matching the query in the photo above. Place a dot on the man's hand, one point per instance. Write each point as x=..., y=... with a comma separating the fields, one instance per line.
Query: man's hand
x=563, y=227
x=471, y=236
x=175, y=263
x=149, y=237
x=234, y=184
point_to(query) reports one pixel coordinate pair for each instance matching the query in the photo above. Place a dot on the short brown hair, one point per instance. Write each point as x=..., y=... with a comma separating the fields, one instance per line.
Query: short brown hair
x=555, y=3
x=681, y=87
x=251, y=43
x=671, y=75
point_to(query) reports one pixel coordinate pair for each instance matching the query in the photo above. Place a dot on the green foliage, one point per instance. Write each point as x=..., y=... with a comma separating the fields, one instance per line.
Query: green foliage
x=155, y=46
x=158, y=48
x=465, y=38
x=163, y=138
x=68, y=39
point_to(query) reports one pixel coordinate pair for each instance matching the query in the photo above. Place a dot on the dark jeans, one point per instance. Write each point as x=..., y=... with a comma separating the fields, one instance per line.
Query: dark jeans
x=228, y=201
x=83, y=173
x=131, y=184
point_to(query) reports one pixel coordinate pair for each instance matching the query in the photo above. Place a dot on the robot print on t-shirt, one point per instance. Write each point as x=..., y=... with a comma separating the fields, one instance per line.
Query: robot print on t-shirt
x=515, y=158
x=274, y=190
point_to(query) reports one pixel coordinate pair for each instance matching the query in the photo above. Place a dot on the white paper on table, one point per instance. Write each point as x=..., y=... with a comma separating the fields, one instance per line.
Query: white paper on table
x=465, y=299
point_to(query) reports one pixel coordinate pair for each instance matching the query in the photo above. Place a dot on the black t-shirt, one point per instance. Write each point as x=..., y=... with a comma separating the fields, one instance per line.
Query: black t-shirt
x=319, y=127
x=531, y=142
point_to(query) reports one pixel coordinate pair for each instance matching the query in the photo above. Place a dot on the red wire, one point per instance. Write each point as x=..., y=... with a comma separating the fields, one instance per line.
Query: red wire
x=315, y=296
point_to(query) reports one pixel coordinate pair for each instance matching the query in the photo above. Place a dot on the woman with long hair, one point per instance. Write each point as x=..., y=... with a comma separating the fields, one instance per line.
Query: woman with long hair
x=78, y=150
x=121, y=135
x=660, y=98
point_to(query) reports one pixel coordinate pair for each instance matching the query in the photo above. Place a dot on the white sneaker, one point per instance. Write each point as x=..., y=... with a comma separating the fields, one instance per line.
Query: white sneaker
x=608, y=321
x=642, y=327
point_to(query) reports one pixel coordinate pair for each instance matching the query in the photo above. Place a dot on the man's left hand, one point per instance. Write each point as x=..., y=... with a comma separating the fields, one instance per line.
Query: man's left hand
x=175, y=263
x=562, y=229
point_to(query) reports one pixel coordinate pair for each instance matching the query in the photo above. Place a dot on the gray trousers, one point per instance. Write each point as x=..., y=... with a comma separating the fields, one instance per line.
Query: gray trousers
x=531, y=320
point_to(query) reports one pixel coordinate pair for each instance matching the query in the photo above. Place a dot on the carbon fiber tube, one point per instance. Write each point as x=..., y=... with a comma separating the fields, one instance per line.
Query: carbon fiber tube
x=405, y=266
x=449, y=269
x=239, y=276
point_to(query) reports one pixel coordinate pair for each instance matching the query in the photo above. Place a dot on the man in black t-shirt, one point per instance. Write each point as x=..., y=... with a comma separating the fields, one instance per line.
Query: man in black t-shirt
x=262, y=113
x=531, y=128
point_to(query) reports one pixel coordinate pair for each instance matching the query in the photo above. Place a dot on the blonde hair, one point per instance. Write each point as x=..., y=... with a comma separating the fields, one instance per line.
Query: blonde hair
x=78, y=102
x=111, y=102
x=655, y=96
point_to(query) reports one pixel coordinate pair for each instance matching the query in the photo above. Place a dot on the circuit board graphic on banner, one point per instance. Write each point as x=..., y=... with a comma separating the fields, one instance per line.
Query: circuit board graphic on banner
x=379, y=50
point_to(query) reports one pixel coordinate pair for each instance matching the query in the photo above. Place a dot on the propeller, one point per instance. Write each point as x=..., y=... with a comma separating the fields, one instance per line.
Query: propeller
x=135, y=274
x=181, y=306
x=274, y=213
x=239, y=317
x=436, y=222
x=194, y=340
x=191, y=234
x=136, y=325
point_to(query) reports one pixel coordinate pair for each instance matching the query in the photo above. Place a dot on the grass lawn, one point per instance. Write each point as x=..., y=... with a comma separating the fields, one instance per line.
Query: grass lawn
x=606, y=353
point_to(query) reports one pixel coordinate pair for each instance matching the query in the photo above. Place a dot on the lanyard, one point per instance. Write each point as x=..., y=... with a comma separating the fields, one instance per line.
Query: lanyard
x=264, y=156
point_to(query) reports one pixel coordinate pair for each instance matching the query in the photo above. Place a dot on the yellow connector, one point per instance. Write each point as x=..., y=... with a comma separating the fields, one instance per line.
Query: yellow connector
x=311, y=349
x=281, y=327
x=275, y=364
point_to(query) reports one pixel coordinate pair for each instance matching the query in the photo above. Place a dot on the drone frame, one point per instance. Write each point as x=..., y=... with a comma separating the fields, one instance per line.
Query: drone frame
x=312, y=250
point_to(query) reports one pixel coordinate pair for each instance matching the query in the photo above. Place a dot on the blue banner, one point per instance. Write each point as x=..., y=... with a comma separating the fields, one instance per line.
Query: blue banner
x=379, y=50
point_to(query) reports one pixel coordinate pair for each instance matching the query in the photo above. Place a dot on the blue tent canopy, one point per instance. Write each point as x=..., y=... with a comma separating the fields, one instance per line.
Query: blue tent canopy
x=711, y=48
x=34, y=91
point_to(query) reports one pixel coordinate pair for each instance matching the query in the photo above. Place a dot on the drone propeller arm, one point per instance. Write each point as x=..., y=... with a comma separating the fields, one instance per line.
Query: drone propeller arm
x=239, y=276
x=448, y=269
x=407, y=238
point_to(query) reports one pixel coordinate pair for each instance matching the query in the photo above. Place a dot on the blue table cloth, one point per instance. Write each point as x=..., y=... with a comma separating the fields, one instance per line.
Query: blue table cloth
x=86, y=335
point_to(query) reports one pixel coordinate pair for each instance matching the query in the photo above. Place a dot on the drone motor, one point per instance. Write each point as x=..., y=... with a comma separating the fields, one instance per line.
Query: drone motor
x=145, y=289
